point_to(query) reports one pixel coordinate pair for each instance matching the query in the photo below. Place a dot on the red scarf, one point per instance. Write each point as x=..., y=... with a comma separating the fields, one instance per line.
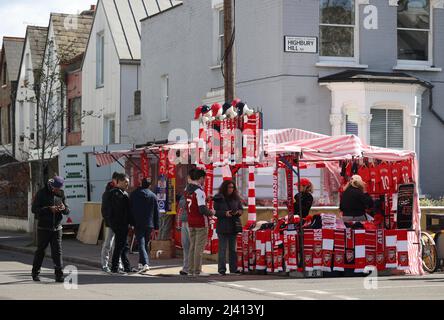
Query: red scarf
x=308, y=249
x=339, y=250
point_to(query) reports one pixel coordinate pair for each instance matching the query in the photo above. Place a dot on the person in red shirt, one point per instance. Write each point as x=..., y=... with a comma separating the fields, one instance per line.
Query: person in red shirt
x=198, y=214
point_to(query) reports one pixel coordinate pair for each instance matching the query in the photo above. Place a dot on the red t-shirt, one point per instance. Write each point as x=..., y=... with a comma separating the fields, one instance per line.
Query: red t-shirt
x=406, y=172
x=364, y=173
x=396, y=176
x=386, y=177
x=374, y=181
x=194, y=201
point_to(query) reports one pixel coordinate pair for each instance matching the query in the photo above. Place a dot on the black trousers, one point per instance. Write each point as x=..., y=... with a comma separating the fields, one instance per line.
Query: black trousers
x=121, y=250
x=45, y=238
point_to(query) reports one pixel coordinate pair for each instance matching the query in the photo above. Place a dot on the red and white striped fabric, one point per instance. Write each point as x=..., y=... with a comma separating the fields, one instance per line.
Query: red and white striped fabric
x=339, y=250
x=268, y=251
x=415, y=261
x=105, y=159
x=390, y=249
x=317, y=249
x=308, y=249
x=239, y=252
x=226, y=173
x=245, y=237
x=251, y=250
x=359, y=251
x=403, y=251
x=251, y=196
x=328, y=240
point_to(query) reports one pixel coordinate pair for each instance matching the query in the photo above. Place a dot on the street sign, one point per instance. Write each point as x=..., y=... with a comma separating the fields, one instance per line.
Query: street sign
x=296, y=44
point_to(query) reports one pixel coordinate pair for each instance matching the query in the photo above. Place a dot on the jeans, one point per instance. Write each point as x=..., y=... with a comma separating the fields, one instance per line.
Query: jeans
x=121, y=250
x=224, y=241
x=45, y=238
x=185, y=234
x=198, y=240
x=107, y=246
x=143, y=236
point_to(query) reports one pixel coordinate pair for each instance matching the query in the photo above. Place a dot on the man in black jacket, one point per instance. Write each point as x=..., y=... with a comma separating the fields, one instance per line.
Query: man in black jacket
x=120, y=219
x=49, y=206
x=109, y=234
x=145, y=211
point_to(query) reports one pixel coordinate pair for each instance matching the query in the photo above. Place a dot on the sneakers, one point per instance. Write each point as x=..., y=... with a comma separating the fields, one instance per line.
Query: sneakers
x=106, y=269
x=144, y=268
x=119, y=272
x=222, y=274
x=36, y=278
x=60, y=278
x=183, y=273
x=237, y=273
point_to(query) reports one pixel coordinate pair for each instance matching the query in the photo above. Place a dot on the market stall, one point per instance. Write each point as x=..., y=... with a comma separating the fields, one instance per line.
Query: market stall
x=325, y=243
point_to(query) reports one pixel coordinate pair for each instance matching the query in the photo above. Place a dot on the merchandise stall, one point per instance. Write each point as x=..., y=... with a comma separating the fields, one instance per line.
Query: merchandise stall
x=390, y=241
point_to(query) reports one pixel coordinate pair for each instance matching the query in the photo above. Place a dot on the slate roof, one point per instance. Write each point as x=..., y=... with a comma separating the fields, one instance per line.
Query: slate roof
x=124, y=21
x=71, y=36
x=36, y=37
x=13, y=48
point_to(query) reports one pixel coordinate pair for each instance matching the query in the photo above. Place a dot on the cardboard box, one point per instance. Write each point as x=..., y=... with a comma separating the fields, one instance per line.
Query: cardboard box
x=162, y=249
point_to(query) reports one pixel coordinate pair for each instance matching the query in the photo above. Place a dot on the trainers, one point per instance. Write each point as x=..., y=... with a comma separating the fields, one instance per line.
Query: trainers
x=119, y=272
x=36, y=278
x=106, y=269
x=60, y=278
x=140, y=267
x=145, y=268
x=183, y=273
x=222, y=274
x=203, y=274
x=237, y=273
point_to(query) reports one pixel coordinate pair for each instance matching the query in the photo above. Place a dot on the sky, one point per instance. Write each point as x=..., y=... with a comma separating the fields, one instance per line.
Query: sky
x=15, y=15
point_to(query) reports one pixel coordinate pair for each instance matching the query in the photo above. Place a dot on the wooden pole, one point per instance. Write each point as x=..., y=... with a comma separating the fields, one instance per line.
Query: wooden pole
x=229, y=48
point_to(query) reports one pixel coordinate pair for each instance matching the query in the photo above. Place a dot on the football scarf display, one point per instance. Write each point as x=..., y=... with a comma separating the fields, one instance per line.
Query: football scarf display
x=349, y=249
x=239, y=251
x=251, y=250
x=290, y=206
x=380, y=252
x=308, y=249
x=339, y=250
x=403, y=251
x=291, y=249
x=390, y=249
x=260, y=250
x=268, y=250
x=328, y=237
x=276, y=192
x=245, y=237
x=317, y=249
x=359, y=251
x=370, y=248
x=251, y=196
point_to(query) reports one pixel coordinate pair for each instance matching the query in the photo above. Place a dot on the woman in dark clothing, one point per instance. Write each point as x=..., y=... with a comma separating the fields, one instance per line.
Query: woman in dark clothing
x=306, y=189
x=227, y=204
x=355, y=201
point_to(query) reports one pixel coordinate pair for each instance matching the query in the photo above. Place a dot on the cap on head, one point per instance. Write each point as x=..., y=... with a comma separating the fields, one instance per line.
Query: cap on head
x=304, y=182
x=57, y=182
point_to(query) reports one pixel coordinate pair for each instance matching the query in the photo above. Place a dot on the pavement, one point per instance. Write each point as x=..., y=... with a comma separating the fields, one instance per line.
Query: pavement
x=75, y=252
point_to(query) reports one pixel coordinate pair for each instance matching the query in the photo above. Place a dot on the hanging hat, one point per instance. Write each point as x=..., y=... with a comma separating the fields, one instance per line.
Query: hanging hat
x=304, y=182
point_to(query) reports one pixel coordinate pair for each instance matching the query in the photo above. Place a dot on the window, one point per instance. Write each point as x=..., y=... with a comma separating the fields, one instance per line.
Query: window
x=387, y=128
x=110, y=131
x=74, y=116
x=221, y=30
x=100, y=59
x=165, y=97
x=337, y=28
x=137, y=103
x=414, y=30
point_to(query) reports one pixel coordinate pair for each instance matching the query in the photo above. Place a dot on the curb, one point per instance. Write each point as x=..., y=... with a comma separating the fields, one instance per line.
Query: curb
x=81, y=261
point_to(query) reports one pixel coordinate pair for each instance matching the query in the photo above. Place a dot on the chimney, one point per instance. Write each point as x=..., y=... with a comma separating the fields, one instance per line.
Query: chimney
x=89, y=12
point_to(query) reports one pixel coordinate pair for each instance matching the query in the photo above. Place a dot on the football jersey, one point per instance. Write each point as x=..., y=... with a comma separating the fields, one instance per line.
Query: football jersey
x=194, y=200
x=364, y=173
x=374, y=181
x=396, y=176
x=406, y=172
x=386, y=178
